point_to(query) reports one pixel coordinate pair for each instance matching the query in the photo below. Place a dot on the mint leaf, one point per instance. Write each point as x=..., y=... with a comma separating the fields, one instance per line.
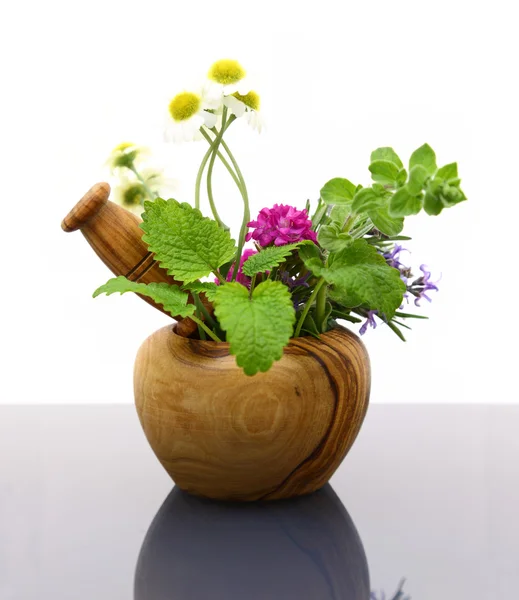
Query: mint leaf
x=332, y=238
x=384, y=222
x=338, y=191
x=417, y=176
x=359, y=272
x=424, y=156
x=202, y=287
x=403, y=203
x=384, y=171
x=258, y=328
x=187, y=244
x=448, y=172
x=339, y=213
x=172, y=298
x=386, y=153
x=366, y=199
x=267, y=259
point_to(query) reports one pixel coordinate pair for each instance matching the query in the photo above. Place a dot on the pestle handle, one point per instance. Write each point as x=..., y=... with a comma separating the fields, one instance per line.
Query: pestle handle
x=89, y=206
x=115, y=236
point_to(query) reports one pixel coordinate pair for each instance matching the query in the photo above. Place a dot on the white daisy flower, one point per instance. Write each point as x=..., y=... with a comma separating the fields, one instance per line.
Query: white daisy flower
x=228, y=76
x=247, y=106
x=126, y=155
x=188, y=112
x=131, y=193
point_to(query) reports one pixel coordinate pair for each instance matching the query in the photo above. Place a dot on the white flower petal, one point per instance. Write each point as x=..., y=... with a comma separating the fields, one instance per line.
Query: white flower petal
x=237, y=107
x=209, y=119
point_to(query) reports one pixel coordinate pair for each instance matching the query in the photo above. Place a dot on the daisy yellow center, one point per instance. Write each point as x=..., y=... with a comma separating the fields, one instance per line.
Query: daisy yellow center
x=184, y=106
x=252, y=99
x=134, y=195
x=226, y=71
x=124, y=146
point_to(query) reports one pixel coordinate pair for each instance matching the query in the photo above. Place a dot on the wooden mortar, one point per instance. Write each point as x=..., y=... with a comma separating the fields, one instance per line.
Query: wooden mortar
x=224, y=435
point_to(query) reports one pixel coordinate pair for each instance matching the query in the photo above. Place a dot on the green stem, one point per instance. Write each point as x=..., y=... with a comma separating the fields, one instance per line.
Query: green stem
x=320, y=307
x=201, y=324
x=252, y=284
x=220, y=156
x=246, y=208
x=220, y=278
x=308, y=305
x=152, y=195
x=203, y=311
x=216, y=143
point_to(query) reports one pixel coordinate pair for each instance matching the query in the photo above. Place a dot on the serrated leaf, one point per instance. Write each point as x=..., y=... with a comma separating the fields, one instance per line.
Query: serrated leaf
x=172, y=298
x=338, y=191
x=384, y=171
x=332, y=238
x=267, y=259
x=424, y=156
x=448, y=172
x=417, y=176
x=384, y=222
x=367, y=199
x=361, y=272
x=386, y=153
x=403, y=204
x=258, y=328
x=187, y=244
x=202, y=287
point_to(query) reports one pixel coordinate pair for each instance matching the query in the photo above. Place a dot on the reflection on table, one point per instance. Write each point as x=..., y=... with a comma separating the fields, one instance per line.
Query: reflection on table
x=306, y=549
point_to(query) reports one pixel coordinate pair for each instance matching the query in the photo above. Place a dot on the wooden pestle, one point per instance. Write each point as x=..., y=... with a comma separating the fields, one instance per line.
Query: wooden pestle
x=115, y=236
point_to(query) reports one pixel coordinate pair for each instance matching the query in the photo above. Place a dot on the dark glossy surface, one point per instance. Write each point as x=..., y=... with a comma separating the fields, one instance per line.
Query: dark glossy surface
x=428, y=492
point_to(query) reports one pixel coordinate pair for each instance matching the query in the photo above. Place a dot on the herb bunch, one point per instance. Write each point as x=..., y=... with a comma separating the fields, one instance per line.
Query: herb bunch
x=302, y=275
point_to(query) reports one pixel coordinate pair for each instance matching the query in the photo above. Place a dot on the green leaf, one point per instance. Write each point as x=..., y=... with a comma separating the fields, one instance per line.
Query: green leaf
x=401, y=177
x=339, y=213
x=258, y=328
x=424, y=156
x=206, y=287
x=448, y=172
x=187, y=244
x=404, y=315
x=386, y=153
x=332, y=238
x=403, y=204
x=417, y=176
x=311, y=256
x=338, y=191
x=359, y=271
x=172, y=298
x=432, y=204
x=366, y=199
x=395, y=329
x=384, y=222
x=267, y=259
x=384, y=171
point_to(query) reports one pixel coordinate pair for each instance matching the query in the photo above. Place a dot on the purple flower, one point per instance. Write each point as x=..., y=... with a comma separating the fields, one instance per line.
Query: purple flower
x=369, y=321
x=393, y=260
x=281, y=225
x=292, y=284
x=240, y=277
x=422, y=285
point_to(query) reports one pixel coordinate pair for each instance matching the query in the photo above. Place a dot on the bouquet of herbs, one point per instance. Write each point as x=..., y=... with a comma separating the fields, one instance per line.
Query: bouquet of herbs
x=306, y=269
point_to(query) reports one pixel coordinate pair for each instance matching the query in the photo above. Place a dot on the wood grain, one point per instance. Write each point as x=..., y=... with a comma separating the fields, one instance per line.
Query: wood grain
x=221, y=434
x=115, y=236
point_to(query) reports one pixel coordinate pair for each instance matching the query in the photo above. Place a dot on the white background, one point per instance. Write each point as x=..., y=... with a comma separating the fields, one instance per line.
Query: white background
x=337, y=80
